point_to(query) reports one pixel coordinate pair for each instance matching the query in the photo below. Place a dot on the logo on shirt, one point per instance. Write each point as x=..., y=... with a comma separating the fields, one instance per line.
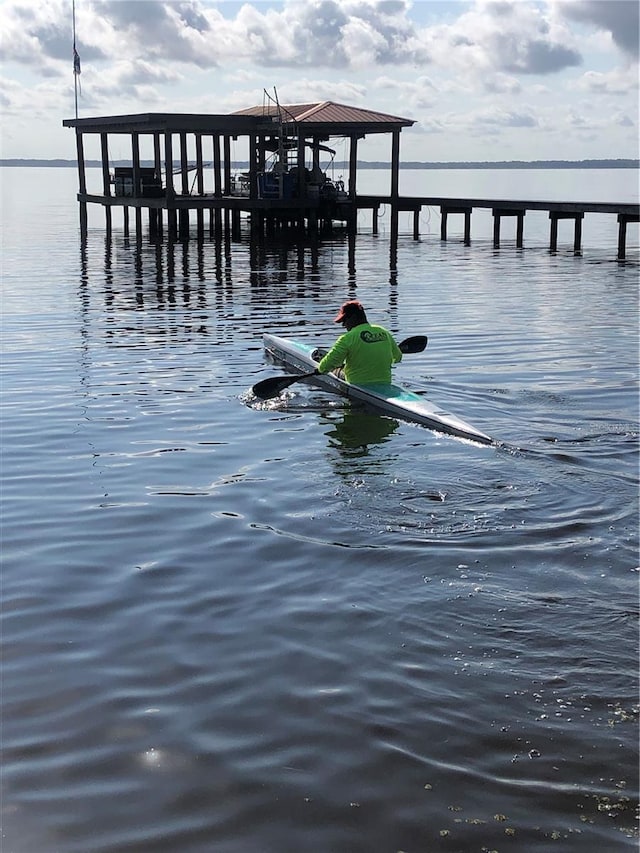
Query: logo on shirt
x=372, y=337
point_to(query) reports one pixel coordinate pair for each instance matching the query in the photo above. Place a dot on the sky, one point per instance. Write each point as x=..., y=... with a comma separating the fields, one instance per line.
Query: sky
x=483, y=81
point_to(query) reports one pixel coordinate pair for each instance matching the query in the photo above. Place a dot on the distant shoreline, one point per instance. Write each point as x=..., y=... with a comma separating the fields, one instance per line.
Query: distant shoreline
x=362, y=164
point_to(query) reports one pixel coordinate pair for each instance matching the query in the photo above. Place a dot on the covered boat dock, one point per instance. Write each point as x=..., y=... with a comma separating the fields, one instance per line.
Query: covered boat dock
x=181, y=165
x=283, y=185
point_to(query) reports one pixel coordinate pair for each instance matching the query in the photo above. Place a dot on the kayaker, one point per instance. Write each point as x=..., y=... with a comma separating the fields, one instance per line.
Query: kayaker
x=365, y=352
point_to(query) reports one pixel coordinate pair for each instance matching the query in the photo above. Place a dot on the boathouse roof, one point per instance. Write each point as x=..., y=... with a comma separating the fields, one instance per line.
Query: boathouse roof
x=325, y=117
x=174, y=122
x=330, y=117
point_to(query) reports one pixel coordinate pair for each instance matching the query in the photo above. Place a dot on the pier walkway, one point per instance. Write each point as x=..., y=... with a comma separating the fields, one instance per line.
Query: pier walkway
x=270, y=213
x=626, y=213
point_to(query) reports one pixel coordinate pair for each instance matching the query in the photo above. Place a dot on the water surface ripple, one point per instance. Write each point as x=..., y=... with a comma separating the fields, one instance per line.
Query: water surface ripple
x=250, y=627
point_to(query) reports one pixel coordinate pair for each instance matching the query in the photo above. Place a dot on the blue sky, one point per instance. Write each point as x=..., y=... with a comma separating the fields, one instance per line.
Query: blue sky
x=501, y=80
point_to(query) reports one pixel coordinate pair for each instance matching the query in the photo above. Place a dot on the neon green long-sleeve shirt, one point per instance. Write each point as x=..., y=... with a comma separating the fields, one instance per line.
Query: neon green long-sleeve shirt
x=367, y=353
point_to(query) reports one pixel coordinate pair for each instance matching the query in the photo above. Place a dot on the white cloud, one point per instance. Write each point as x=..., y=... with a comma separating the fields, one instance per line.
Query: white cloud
x=620, y=18
x=508, y=71
x=619, y=81
x=497, y=117
x=502, y=84
x=140, y=72
x=418, y=94
x=514, y=37
x=623, y=120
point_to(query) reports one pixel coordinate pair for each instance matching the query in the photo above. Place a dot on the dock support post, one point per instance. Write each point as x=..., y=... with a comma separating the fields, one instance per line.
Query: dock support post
x=183, y=224
x=106, y=182
x=353, y=167
x=199, y=165
x=104, y=148
x=395, y=181
x=555, y=216
x=302, y=177
x=157, y=157
x=200, y=185
x=168, y=168
x=577, y=235
x=416, y=223
x=498, y=213
x=622, y=237
x=394, y=222
x=135, y=160
x=82, y=183
x=217, y=166
x=184, y=164
x=172, y=227
x=553, y=236
x=444, y=213
x=235, y=224
x=138, y=216
x=226, y=144
x=83, y=218
x=254, y=159
x=623, y=219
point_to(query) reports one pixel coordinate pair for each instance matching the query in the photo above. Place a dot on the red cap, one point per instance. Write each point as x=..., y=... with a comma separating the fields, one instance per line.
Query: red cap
x=351, y=307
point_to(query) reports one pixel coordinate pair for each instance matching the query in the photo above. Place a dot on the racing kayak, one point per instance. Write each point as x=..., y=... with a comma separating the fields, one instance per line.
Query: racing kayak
x=389, y=399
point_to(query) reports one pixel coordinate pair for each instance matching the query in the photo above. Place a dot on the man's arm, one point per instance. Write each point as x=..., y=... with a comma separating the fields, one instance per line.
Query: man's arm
x=336, y=356
x=396, y=352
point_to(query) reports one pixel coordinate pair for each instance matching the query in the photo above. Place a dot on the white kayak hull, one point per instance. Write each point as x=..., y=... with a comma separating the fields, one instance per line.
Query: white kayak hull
x=390, y=399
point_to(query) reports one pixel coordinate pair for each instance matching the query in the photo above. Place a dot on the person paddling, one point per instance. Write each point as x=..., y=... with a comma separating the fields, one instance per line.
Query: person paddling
x=365, y=352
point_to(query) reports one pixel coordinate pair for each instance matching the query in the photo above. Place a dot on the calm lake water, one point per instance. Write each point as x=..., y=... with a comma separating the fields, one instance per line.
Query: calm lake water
x=297, y=625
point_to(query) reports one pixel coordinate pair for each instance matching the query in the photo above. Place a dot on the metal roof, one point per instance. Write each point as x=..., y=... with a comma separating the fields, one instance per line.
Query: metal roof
x=329, y=116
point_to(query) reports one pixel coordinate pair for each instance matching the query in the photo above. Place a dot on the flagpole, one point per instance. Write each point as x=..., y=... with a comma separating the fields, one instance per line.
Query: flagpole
x=75, y=76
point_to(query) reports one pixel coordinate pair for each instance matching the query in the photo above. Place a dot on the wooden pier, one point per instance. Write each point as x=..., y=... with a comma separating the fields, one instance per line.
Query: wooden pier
x=625, y=213
x=284, y=187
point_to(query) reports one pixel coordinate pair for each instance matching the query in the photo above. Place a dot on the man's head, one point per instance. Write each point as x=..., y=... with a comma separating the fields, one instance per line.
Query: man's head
x=351, y=314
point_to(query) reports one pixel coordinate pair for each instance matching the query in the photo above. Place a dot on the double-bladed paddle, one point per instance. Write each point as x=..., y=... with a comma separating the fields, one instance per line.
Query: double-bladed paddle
x=275, y=385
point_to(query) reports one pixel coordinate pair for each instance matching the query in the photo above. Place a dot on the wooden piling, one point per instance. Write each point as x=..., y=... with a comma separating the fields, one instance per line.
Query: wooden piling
x=623, y=220
x=445, y=210
x=577, y=217
x=82, y=182
x=498, y=213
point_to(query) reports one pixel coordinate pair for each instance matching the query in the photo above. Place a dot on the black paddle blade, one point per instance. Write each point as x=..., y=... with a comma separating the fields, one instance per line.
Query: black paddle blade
x=418, y=343
x=275, y=385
